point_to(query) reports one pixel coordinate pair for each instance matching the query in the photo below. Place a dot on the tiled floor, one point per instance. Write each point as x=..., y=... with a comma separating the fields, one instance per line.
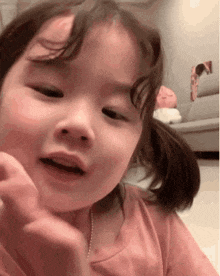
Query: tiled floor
x=203, y=218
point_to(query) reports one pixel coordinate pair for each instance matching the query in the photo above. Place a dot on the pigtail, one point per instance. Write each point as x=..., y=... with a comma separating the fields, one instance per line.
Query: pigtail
x=166, y=157
x=176, y=176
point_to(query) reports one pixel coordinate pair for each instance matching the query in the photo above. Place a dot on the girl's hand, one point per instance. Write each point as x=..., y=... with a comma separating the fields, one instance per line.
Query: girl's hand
x=44, y=243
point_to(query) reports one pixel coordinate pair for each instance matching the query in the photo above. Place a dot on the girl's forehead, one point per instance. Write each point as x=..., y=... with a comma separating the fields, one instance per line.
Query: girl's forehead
x=112, y=38
x=57, y=29
x=108, y=43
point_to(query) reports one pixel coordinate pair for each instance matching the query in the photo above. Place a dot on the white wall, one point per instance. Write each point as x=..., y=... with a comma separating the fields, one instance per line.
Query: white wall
x=190, y=36
x=189, y=30
x=10, y=8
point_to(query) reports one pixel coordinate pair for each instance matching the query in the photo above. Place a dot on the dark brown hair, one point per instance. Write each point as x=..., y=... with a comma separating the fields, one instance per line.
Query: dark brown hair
x=160, y=150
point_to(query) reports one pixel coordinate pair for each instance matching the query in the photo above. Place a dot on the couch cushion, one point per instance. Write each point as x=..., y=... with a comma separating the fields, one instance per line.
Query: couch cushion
x=204, y=108
x=208, y=85
x=197, y=126
x=184, y=110
x=200, y=135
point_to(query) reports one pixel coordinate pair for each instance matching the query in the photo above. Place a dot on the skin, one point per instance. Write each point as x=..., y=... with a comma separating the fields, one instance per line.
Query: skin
x=98, y=78
x=31, y=125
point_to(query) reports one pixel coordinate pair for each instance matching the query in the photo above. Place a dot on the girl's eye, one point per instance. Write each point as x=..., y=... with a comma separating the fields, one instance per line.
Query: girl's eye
x=112, y=114
x=49, y=92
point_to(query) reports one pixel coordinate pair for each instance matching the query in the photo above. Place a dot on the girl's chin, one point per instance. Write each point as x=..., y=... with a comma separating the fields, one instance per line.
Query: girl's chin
x=62, y=203
x=60, y=200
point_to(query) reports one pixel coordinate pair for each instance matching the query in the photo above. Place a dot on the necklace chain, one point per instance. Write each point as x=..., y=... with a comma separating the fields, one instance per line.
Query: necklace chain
x=92, y=225
x=91, y=233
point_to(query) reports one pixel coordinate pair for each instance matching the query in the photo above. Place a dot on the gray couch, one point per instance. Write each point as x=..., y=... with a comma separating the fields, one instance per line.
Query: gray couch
x=200, y=125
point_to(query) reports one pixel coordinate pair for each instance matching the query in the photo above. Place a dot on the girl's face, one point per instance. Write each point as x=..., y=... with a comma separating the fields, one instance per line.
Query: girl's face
x=56, y=117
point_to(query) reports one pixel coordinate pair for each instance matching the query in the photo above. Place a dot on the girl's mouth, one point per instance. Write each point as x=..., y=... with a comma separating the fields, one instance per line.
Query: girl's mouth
x=62, y=167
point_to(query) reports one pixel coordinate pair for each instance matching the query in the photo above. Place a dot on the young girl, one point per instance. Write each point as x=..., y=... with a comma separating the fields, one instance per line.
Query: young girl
x=78, y=87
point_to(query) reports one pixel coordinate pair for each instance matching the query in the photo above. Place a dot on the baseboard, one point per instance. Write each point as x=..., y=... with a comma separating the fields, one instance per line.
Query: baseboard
x=207, y=155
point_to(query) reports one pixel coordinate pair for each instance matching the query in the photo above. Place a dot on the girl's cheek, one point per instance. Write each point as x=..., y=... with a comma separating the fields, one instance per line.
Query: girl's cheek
x=122, y=146
x=26, y=110
x=26, y=122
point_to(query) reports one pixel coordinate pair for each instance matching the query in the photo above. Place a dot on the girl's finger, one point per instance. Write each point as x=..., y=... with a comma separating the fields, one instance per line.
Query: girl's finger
x=17, y=190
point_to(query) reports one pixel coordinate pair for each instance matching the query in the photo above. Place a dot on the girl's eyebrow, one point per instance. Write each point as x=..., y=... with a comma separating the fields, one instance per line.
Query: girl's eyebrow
x=123, y=88
x=117, y=86
x=58, y=66
x=120, y=87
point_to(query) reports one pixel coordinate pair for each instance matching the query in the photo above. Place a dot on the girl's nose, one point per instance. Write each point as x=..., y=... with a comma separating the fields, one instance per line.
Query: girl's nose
x=76, y=128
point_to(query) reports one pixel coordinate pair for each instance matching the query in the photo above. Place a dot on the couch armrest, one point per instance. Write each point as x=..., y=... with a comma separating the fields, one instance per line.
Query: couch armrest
x=197, y=126
x=202, y=135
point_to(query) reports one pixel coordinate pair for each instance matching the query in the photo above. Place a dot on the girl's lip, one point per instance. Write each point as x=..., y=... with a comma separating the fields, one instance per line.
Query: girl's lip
x=73, y=160
x=60, y=177
x=63, y=166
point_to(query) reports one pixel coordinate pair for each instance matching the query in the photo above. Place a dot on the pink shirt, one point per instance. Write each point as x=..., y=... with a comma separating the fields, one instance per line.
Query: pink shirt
x=150, y=243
